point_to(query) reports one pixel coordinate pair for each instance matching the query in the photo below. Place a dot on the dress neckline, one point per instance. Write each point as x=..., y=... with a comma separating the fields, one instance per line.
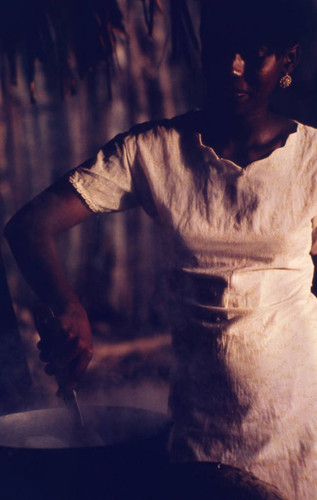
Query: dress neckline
x=277, y=151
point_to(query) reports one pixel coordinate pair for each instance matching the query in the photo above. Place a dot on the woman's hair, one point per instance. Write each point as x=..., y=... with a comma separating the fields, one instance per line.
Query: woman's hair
x=279, y=24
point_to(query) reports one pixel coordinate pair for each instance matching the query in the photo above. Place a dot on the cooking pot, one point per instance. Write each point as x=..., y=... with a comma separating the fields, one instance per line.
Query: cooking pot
x=40, y=460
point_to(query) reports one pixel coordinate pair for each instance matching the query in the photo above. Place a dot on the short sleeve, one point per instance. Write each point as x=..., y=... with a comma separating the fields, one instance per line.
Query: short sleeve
x=105, y=182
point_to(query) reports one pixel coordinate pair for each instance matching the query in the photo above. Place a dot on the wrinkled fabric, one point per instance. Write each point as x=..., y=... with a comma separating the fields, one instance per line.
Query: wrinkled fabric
x=244, y=383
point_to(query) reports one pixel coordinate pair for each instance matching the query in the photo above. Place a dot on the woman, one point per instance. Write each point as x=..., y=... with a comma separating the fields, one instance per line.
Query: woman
x=233, y=187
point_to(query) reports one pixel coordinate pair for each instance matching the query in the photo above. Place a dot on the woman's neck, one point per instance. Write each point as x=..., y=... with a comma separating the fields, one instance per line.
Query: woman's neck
x=244, y=138
x=225, y=125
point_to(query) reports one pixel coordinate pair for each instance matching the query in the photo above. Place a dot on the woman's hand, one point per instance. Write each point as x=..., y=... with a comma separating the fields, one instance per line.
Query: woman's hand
x=66, y=345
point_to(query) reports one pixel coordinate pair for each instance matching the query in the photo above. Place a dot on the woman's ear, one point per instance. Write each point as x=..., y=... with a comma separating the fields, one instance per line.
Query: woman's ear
x=291, y=58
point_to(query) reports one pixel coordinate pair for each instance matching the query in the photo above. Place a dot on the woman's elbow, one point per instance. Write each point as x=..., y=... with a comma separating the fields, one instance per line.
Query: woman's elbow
x=13, y=228
x=21, y=229
x=14, y=233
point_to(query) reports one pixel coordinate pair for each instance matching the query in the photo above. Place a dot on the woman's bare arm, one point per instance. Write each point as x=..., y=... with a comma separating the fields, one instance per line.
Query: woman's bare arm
x=31, y=234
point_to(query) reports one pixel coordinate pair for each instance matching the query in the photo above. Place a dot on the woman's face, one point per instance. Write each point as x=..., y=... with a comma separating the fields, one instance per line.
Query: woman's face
x=241, y=77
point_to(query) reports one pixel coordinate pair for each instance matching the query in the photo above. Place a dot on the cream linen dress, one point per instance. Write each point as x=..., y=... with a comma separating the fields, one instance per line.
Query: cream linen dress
x=244, y=384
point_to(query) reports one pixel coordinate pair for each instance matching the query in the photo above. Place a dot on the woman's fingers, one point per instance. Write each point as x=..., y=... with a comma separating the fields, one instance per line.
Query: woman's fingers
x=49, y=369
x=62, y=354
x=45, y=357
x=49, y=348
x=69, y=367
x=66, y=344
x=68, y=353
x=45, y=351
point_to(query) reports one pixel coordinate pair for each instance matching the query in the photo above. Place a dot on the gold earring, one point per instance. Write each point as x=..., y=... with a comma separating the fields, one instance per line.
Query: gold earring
x=285, y=81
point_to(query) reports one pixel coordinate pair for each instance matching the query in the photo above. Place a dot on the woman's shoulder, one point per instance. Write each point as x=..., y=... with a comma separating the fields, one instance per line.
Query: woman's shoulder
x=308, y=133
x=166, y=126
x=306, y=145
